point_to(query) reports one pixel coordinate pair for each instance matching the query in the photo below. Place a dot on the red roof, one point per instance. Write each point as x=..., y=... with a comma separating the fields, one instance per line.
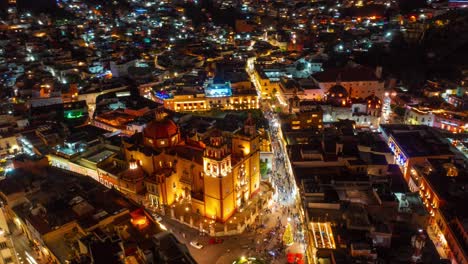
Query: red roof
x=160, y=129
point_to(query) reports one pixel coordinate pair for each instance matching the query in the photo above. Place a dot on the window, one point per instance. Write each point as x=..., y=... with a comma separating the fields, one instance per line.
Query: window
x=8, y=260
x=173, y=185
x=3, y=245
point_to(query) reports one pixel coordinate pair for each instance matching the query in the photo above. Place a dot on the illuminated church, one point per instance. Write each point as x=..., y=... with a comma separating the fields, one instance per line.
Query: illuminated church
x=219, y=173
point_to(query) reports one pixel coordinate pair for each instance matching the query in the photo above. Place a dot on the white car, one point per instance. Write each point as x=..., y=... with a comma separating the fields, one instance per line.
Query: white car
x=157, y=218
x=196, y=244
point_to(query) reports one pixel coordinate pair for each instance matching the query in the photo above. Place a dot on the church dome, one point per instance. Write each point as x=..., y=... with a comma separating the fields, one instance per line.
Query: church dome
x=338, y=91
x=160, y=129
x=373, y=101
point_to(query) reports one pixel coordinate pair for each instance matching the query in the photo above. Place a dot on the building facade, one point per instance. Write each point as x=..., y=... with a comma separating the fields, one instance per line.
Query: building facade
x=218, y=174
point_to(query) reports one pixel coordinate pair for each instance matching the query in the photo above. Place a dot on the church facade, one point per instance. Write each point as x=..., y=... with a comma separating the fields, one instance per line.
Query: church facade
x=218, y=173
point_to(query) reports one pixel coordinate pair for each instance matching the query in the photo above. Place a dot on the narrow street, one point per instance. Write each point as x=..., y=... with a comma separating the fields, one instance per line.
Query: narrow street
x=24, y=251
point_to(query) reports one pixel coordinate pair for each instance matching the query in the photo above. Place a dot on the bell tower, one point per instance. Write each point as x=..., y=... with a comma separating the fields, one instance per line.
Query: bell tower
x=216, y=159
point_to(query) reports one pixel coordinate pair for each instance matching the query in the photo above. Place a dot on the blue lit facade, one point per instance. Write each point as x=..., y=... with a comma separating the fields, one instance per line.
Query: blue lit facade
x=218, y=89
x=163, y=95
x=400, y=157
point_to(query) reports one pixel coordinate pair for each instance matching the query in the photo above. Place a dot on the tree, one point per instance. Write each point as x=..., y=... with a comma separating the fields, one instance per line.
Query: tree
x=263, y=167
x=288, y=236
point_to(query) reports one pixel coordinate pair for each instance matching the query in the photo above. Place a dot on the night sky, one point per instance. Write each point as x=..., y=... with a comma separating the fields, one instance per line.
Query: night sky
x=35, y=5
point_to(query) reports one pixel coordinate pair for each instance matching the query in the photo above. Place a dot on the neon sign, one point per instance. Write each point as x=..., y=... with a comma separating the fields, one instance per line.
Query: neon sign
x=74, y=115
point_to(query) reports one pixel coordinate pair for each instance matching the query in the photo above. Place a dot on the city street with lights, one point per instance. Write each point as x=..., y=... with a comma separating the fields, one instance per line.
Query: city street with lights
x=233, y=132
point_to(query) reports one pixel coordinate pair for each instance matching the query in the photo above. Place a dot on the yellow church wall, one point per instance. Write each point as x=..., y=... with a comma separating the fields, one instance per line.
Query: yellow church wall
x=228, y=206
x=212, y=187
x=227, y=185
x=255, y=172
x=235, y=173
x=212, y=207
x=198, y=205
x=173, y=188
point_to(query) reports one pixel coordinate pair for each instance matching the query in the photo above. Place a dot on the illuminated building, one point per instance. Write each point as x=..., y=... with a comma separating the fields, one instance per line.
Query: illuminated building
x=359, y=81
x=216, y=175
x=212, y=96
x=268, y=79
x=413, y=144
x=337, y=95
x=456, y=122
x=439, y=184
x=419, y=116
x=310, y=115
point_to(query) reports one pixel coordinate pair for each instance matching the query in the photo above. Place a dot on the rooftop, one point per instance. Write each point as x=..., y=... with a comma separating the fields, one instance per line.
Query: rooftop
x=346, y=74
x=420, y=144
x=63, y=198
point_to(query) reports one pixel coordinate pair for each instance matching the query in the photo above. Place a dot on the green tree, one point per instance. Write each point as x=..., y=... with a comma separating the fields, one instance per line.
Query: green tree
x=288, y=236
x=263, y=167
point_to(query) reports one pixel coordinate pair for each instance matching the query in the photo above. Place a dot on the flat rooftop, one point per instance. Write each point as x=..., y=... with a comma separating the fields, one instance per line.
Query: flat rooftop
x=100, y=156
x=420, y=144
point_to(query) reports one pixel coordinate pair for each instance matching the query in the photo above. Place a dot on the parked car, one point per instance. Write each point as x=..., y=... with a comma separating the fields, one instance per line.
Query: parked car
x=215, y=240
x=196, y=244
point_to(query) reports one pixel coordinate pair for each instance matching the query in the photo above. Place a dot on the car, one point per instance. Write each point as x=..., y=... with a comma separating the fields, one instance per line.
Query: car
x=216, y=240
x=158, y=218
x=196, y=244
